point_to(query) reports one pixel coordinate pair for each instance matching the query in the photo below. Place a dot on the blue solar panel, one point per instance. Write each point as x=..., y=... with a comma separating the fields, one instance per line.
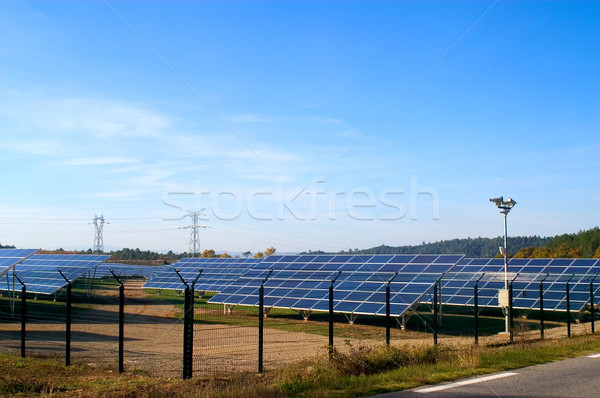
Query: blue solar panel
x=125, y=270
x=458, y=285
x=40, y=271
x=213, y=273
x=9, y=257
x=302, y=282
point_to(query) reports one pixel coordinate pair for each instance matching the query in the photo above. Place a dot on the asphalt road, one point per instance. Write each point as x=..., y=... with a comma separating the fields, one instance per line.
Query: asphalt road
x=576, y=377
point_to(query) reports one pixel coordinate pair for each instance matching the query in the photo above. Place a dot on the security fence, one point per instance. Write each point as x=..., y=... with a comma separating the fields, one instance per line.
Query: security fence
x=114, y=323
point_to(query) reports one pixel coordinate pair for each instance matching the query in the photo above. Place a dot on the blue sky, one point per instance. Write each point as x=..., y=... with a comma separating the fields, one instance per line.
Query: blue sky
x=299, y=125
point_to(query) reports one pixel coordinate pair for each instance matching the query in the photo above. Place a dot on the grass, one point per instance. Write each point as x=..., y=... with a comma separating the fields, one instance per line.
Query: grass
x=358, y=372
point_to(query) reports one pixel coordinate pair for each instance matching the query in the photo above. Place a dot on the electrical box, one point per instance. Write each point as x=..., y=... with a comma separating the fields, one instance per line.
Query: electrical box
x=503, y=298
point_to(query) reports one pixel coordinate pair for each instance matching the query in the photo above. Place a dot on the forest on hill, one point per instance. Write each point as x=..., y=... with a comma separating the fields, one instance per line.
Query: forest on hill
x=583, y=244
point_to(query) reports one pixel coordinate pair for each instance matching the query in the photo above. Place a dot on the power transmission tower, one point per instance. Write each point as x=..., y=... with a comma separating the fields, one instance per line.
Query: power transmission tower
x=194, y=226
x=98, y=238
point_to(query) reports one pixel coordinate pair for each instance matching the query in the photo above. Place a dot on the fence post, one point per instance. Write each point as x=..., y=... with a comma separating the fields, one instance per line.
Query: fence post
x=568, y=297
x=23, y=314
x=476, y=302
x=510, y=311
x=191, y=326
x=388, y=318
x=121, y=318
x=542, y=307
x=187, y=371
x=261, y=322
x=330, y=347
x=68, y=323
x=435, y=312
x=592, y=303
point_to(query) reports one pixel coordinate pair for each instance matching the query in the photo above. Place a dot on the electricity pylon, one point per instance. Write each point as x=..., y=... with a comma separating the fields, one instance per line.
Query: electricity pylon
x=194, y=226
x=98, y=238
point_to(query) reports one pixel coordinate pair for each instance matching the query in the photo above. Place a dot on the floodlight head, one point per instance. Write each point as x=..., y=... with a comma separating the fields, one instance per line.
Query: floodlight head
x=511, y=202
x=497, y=201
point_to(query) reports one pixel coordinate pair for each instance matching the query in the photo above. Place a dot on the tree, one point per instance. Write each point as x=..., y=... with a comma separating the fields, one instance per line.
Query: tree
x=270, y=251
x=597, y=254
x=541, y=252
x=259, y=255
x=225, y=255
x=562, y=251
x=208, y=253
x=525, y=252
x=247, y=254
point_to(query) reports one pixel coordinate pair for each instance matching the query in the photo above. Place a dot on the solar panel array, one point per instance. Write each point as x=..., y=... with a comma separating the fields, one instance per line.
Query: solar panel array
x=40, y=271
x=302, y=282
x=125, y=270
x=9, y=257
x=217, y=273
x=458, y=285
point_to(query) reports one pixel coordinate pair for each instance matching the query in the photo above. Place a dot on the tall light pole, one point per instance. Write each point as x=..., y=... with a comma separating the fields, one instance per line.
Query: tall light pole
x=505, y=206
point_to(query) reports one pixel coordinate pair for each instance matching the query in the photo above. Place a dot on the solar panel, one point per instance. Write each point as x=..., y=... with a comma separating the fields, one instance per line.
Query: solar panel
x=125, y=270
x=40, y=271
x=302, y=282
x=9, y=257
x=216, y=273
x=458, y=285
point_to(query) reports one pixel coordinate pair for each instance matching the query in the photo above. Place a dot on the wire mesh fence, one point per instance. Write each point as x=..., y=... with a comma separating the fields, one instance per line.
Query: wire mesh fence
x=229, y=339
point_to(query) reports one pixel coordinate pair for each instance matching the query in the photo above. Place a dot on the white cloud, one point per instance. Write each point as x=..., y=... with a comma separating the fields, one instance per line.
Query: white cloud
x=98, y=161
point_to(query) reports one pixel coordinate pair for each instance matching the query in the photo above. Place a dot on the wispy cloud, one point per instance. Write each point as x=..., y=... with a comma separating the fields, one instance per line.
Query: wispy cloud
x=98, y=161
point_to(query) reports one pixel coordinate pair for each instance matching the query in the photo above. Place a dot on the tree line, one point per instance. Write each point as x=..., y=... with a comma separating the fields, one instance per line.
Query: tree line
x=583, y=244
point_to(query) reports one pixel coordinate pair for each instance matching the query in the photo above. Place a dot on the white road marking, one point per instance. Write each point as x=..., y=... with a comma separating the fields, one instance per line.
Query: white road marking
x=594, y=356
x=466, y=382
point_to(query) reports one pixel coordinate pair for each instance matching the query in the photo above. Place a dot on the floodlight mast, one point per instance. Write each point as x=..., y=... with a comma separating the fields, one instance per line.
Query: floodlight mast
x=505, y=206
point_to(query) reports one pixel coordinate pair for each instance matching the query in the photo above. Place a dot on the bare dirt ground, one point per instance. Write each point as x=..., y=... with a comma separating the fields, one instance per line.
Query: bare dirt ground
x=154, y=338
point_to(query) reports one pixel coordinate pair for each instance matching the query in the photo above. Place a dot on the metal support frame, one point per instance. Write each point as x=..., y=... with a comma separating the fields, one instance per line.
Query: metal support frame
x=351, y=318
x=542, y=307
x=305, y=314
x=261, y=316
x=121, y=318
x=330, y=345
x=68, y=320
x=568, y=298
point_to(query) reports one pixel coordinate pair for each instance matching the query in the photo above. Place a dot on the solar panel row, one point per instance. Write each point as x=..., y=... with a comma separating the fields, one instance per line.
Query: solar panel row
x=302, y=282
x=458, y=285
x=125, y=270
x=40, y=271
